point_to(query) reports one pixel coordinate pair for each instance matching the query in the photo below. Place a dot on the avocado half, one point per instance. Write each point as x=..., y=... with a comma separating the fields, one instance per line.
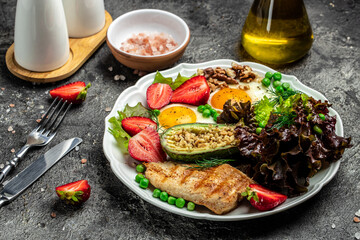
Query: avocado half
x=195, y=141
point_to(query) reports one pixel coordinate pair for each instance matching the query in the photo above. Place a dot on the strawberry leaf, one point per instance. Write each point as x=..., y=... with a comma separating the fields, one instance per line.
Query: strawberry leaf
x=159, y=78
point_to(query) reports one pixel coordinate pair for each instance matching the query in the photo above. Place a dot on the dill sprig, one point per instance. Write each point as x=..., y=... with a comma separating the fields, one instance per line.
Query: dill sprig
x=284, y=95
x=284, y=118
x=208, y=163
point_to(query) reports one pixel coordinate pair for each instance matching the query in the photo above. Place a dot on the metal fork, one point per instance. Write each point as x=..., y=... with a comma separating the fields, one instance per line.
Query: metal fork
x=42, y=134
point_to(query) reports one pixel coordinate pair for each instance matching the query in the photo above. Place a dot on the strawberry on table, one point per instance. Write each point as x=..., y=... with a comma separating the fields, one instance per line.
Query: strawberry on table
x=262, y=198
x=75, y=192
x=134, y=125
x=158, y=95
x=194, y=91
x=145, y=146
x=73, y=92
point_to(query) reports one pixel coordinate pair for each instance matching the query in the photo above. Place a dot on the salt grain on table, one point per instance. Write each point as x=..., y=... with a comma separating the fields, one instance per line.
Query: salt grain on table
x=53, y=215
x=108, y=109
x=122, y=77
x=357, y=213
x=333, y=225
x=110, y=69
x=357, y=235
x=12, y=150
x=117, y=77
x=11, y=105
x=2, y=166
x=10, y=129
x=83, y=161
x=356, y=219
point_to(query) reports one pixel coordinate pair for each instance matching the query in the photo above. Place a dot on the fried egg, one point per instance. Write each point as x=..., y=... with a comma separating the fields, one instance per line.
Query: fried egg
x=255, y=92
x=175, y=114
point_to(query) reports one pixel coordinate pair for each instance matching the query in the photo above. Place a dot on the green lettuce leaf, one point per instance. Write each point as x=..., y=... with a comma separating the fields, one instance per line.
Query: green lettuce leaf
x=263, y=109
x=116, y=129
x=159, y=78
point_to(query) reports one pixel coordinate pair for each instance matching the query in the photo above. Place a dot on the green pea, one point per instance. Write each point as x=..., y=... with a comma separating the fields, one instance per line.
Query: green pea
x=266, y=82
x=180, y=202
x=156, y=112
x=191, y=206
x=318, y=130
x=268, y=75
x=208, y=106
x=215, y=117
x=206, y=113
x=322, y=116
x=286, y=86
x=279, y=89
x=212, y=112
x=138, y=177
x=171, y=200
x=140, y=168
x=164, y=196
x=277, y=76
x=262, y=124
x=156, y=193
x=258, y=130
x=144, y=183
x=276, y=84
x=201, y=108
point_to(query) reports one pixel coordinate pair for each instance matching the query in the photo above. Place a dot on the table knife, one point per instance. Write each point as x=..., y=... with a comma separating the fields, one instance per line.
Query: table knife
x=29, y=175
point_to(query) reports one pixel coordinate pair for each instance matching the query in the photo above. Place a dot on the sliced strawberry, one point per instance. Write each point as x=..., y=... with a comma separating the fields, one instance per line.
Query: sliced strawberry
x=75, y=192
x=134, y=125
x=158, y=95
x=194, y=91
x=73, y=92
x=145, y=146
x=262, y=198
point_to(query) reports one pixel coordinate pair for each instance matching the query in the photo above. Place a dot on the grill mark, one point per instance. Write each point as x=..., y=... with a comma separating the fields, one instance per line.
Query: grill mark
x=210, y=173
x=224, y=181
x=172, y=170
x=187, y=174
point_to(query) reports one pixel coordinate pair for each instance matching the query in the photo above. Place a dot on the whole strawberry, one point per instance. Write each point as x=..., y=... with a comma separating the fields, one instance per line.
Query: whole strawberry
x=75, y=192
x=73, y=92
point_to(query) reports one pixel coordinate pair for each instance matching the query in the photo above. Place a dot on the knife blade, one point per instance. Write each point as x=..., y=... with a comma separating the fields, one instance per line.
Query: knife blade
x=29, y=175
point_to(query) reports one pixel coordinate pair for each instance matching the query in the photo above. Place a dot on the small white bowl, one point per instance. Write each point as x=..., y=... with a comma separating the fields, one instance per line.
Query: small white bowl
x=147, y=21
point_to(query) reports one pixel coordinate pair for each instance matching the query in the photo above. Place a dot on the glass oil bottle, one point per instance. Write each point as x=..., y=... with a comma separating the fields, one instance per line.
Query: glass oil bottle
x=277, y=31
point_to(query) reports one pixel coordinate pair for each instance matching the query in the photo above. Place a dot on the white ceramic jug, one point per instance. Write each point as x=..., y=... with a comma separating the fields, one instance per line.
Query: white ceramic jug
x=84, y=17
x=41, y=37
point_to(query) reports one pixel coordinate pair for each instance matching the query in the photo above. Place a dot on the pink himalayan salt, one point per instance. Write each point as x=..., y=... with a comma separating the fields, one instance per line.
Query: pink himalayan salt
x=149, y=44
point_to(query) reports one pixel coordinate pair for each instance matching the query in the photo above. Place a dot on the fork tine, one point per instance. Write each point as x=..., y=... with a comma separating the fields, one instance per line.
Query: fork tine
x=53, y=130
x=47, y=117
x=47, y=111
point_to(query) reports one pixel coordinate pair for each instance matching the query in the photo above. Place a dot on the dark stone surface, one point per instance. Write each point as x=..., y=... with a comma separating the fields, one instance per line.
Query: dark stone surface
x=113, y=211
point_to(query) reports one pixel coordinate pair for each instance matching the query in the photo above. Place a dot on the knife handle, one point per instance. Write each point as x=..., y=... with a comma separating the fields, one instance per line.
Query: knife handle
x=13, y=163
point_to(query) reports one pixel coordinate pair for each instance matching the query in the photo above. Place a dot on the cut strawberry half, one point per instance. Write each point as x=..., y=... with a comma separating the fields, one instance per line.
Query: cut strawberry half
x=73, y=92
x=194, y=91
x=75, y=192
x=134, y=125
x=158, y=95
x=262, y=198
x=145, y=146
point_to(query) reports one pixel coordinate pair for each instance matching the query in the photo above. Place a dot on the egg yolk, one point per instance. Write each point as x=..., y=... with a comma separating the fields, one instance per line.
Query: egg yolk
x=176, y=115
x=219, y=98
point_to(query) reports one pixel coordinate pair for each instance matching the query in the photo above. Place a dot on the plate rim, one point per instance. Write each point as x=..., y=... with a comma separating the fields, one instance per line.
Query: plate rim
x=331, y=170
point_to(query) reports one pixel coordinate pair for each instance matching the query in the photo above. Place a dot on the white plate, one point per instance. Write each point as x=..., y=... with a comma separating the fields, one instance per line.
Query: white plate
x=123, y=165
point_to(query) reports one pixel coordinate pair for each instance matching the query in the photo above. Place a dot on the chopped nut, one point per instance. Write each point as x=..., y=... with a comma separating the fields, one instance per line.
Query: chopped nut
x=220, y=70
x=200, y=72
x=223, y=77
x=208, y=72
x=244, y=87
x=356, y=219
x=83, y=161
x=231, y=72
x=53, y=215
x=11, y=105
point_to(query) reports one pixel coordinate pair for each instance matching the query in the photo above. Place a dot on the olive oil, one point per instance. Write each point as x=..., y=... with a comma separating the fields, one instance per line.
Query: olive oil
x=277, y=31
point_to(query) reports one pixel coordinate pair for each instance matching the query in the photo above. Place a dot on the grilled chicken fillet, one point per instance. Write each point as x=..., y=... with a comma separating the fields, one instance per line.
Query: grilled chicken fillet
x=217, y=188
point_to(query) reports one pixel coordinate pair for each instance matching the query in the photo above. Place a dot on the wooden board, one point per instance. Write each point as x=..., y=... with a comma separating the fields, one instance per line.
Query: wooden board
x=80, y=51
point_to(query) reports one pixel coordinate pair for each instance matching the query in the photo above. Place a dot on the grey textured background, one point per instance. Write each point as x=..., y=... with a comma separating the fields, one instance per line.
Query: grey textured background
x=113, y=211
